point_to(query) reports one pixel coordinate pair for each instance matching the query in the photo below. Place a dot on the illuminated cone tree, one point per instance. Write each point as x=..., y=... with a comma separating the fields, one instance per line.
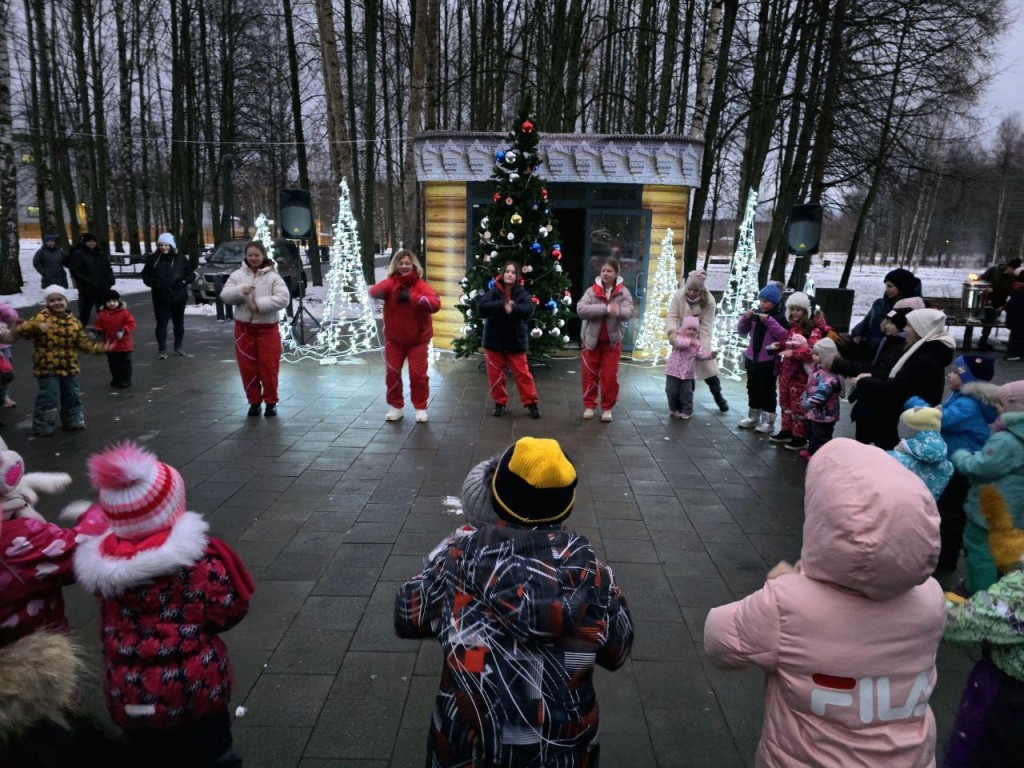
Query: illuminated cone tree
x=652, y=342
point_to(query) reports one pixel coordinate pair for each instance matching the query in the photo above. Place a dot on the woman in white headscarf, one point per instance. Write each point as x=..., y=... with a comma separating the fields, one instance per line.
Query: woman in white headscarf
x=919, y=372
x=695, y=299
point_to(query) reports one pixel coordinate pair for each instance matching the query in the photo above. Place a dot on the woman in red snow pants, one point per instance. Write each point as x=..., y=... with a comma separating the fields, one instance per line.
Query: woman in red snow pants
x=258, y=294
x=605, y=309
x=408, y=304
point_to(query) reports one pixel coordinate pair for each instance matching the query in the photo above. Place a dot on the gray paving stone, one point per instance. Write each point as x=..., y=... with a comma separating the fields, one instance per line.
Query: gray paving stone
x=269, y=746
x=288, y=700
x=331, y=612
x=356, y=729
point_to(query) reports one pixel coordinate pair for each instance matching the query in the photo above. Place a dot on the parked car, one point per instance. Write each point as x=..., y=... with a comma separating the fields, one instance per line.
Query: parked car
x=228, y=256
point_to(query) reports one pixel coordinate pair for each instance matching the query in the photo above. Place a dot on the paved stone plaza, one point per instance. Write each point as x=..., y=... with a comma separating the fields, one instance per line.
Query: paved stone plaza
x=331, y=508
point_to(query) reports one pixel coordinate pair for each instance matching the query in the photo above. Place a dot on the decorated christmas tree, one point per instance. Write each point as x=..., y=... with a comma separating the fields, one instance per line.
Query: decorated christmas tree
x=739, y=296
x=652, y=343
x=519, y=226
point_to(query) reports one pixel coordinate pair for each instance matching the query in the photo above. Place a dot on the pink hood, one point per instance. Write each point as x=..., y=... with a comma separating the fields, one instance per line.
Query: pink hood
x=870, y=524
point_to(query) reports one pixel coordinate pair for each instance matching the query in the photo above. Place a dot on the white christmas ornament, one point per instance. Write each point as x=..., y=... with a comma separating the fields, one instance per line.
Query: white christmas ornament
x=558, y=268
x=463, y=299
x=511, y=235
x=513, y=177
x=565, y=339
x=543, y=231
x=554, y=331
x=510, y=157
x=536, y=333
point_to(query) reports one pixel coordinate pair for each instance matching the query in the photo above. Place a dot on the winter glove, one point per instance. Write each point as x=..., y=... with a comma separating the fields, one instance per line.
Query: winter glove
x=403, y=293
x=1004, y=541
x=120, y=334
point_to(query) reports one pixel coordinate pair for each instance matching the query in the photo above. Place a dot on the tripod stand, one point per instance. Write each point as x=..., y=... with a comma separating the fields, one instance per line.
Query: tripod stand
x=298, y=321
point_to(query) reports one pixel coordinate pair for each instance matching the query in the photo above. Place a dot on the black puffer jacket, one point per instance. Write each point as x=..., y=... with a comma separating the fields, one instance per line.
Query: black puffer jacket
x=90, y=268
x=503, y=331
x=169, y=275
x=522, y=615
x=892, y=348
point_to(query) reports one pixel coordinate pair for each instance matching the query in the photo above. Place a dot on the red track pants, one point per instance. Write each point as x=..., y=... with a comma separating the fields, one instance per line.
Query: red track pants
x=497, y=362
x=601, y=368
x=790, y=390
x=419, y=383
x=258, y=349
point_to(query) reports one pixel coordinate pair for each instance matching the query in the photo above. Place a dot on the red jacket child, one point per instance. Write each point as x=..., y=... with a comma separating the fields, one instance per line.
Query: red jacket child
x=35, y=556
x=117, y=326
x=166, y=590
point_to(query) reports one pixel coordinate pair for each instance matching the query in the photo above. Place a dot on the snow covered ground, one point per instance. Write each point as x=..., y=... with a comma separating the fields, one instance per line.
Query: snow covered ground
x=866, y=281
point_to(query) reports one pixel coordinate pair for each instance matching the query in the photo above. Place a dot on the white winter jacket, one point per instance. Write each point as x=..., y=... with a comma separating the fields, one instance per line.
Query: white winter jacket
x=263, y=304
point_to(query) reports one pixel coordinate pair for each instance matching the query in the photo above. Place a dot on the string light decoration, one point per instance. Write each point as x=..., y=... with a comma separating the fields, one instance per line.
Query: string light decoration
x=651, y=342
x=347, y=325
x=519, y=226
x=264, y=233
x=739, y=296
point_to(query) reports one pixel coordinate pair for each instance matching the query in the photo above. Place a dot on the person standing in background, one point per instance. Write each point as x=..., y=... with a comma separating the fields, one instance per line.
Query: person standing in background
x=169, y=274
x=49, y=263
x=90, y=269
x=1001, y=278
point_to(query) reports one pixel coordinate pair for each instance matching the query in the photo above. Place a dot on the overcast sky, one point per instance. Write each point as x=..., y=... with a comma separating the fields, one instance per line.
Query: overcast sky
x=1006, y=93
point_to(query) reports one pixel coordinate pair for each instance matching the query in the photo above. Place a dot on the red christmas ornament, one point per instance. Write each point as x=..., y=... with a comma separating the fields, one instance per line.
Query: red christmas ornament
x=535, y=300
x=497, y=196
x=527, y=127
x=508, y=201
x=556, y=254
x=544, y=193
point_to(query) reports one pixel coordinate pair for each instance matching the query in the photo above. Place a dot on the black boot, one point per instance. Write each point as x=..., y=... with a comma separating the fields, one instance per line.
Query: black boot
x=499, y=409
x=254, y=410
x=715, y=385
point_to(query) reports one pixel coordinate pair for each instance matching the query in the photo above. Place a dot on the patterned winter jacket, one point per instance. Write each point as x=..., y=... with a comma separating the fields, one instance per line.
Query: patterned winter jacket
x=791, y=367
x=924, y=454
x=820, y=400
x=56, y=352
x=110, y=322
x=407, y=322
x=35, y=563
x=522, y=616
x=682, y=360
x=163, y=601
x=994, y=617
x=592, y=309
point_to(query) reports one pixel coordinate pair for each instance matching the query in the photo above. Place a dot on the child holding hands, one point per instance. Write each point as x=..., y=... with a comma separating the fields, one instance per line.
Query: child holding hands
x=820, y=400
x=680, y=370
x=116, y=324
x=58, y=336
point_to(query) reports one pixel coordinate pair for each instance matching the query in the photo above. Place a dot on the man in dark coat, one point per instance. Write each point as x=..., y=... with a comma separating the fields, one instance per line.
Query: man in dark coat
x=90, y=269
x=49, y=263
x=1000, y=277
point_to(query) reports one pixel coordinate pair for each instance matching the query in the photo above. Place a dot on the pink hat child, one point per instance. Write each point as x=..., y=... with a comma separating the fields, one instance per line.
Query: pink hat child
x=140, y=495
x=690, y=323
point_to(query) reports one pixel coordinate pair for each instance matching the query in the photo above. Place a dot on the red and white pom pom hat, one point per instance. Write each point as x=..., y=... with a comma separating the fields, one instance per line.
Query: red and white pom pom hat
x=140, y=495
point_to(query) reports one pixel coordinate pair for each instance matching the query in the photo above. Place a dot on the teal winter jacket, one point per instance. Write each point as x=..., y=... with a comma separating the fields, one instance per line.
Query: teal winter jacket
x=1000, y=462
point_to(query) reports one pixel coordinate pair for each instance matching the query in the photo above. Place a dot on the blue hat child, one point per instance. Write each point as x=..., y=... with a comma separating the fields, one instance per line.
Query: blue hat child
x=974, y=368
x=770, y=293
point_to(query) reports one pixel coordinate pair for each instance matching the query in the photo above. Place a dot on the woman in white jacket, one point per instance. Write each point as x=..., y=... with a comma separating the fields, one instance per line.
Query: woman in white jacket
x=258, y=294
x=695, y=299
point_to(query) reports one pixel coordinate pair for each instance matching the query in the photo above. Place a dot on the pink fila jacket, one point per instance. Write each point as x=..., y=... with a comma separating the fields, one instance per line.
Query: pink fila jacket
x=848, y=643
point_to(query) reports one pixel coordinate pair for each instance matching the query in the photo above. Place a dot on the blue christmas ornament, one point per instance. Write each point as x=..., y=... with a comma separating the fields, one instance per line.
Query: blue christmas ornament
x=536, y=247
x=556, y=247
x=535, y=207
x=500, y=156
x=490, y=284
x=547, y=211
x=551, y=305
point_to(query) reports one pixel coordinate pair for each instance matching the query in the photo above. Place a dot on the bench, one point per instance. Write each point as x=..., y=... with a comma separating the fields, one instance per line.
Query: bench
x=957, y=315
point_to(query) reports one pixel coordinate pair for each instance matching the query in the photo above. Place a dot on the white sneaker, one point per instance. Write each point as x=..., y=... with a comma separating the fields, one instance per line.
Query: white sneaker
x=394, y=414
x=421, y=416
x=588, y=414
x=606, y=416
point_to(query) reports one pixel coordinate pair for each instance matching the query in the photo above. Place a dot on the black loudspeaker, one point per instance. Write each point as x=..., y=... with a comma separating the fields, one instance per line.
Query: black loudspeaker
x=804, y=230
x=295, y=213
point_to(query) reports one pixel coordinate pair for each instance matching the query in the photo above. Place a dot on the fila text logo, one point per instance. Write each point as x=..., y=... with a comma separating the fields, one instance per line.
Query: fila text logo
x=870, y=695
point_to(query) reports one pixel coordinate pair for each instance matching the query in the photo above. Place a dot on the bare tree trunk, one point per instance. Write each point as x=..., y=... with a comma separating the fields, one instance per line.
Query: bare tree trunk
x=389, y=153
x=355, y=186
x=40, y=148
x=417, y=86
x=100, y=190
x=668, y=67
x=368, y=223
x=86, y=158
x=10, y=269
x=706, y=71
x=337, y=130
x=127, y=45
x=711, y=138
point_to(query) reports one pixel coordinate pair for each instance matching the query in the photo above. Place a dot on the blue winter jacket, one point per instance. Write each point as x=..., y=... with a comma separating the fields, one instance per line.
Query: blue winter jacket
x=924, y=454
x=964, y=421
x=1000, y=462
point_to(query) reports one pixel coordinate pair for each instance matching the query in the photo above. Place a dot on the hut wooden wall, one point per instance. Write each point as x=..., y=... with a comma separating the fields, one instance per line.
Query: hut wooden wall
x=444, y=205
x=669, y=206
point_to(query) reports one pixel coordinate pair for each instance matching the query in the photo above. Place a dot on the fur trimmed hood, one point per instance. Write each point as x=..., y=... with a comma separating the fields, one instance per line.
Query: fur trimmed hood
x=38, y=681
x=98, y=572
x=984, y=392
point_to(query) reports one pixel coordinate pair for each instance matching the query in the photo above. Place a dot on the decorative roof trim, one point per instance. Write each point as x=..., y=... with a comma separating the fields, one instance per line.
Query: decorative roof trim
x=566, y=157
